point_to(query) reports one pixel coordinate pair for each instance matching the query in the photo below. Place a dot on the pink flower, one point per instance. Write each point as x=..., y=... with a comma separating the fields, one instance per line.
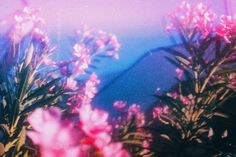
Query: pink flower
x=114, y=150
x=40, y=35
x=114, y=42
x=60, y=138
x=47, y=60
x=114, y=46
x=185, y=100
x=24, y=22
x=192, y=17
x=204, y=19
x=166, y=109
x=94, y=124
x=179, y=73
x=99, y=42
x=90, y=86
x=80, y=50
x=156, y=112
x=71, y=84
x=133, y=109
x=174, y=95
x=140, y=119
x=83, y=59
x=227, y=28
x=231, y=79
x=56, y=138
x=119, y=104
x=145, y=144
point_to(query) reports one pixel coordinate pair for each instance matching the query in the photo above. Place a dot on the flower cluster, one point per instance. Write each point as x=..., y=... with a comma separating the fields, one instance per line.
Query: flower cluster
x=119, y=104
x=129, y=127
x=130, y=112
x=227, y=28
x=197, y=17
x=186, y=100
x=82, y=59
x=55, y=137
x=61, y=137
x=25, y=22
x=158, y=111
x=98, y=42
x=89, y=44
x=200, y=19
x=81, y=95
x=232, y=80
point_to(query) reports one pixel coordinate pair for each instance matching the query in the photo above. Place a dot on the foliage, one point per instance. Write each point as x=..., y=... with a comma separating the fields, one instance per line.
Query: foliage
x=31, y=81
x=205, y=63
x=129, y=128
x=24, y=88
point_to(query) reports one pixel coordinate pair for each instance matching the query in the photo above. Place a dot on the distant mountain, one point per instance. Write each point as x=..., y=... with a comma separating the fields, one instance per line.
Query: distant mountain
x=139, y=82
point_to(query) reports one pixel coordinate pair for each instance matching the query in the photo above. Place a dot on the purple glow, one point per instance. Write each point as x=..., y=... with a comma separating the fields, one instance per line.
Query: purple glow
x=133, y=16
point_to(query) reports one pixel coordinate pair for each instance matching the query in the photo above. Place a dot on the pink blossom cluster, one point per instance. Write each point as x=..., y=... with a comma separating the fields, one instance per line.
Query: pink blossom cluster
x=200, y=19
x=186, y=100
x=25, y=22
x=58, y=137
x=193, y=16
x=70, y=84
x=90, y=43
x=94, y=124
x=133, y=111
x=82, y=59
x=226, y=28
x=231, y=80
x=131, y=123
x=90, y=86
x=83, y=95
x=98, y=42
x=203, y=19
x=119, y=104
x=158, y=111
x=54, y=136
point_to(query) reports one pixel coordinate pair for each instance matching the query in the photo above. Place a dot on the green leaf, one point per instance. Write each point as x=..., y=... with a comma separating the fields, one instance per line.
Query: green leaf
x=174, y=62
x=165, y=136
x=41, y=90
x=184, y=61
x=222, y=115
x=29, y=56
x=21, y=139
x=45, y=101
x=174, y=52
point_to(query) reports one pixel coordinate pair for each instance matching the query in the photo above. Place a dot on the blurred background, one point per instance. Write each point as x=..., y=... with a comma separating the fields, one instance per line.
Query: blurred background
x=139, y=26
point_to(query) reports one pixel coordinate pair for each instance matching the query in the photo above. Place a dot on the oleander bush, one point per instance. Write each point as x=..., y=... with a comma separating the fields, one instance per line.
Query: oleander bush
x=191, y=118
x=46, y=101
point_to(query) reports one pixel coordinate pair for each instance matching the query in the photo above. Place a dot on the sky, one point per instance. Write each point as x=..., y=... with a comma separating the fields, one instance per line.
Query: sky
x=138, y=24
x=121, y=16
